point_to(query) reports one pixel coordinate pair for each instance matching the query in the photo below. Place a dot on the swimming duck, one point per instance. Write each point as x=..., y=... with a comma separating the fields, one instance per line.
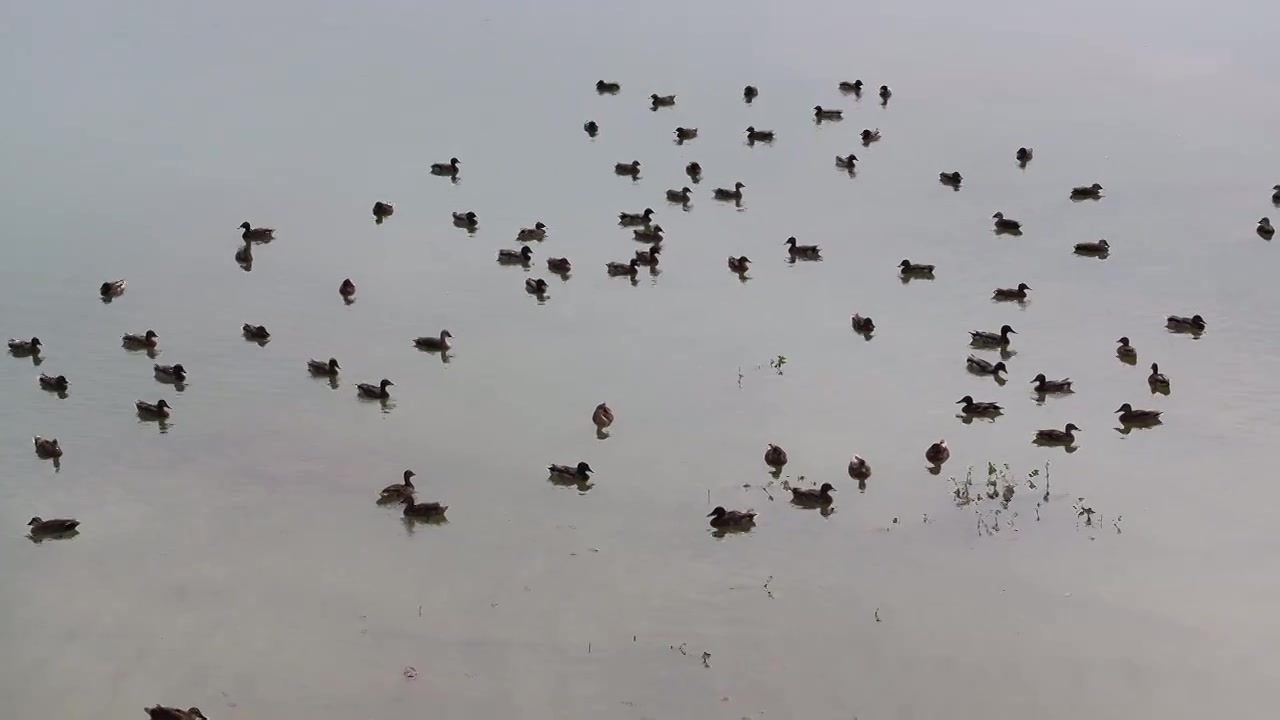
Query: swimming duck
x=58, y=384
x=160, y=409
x=171, y=373
x=632, y=168
x=739, y=264
x=802, y=251
x=694, y=171
x=536, y=233
x=1265, y=228
x=160, y=712
x=602, y=416
x=320, y=367
x=112, y=289
x=559, y=265
x=950, y=178
x=938, y=453
x=1157, y=379
x=864, y=325
x=750, y=93
x=977, y=365
x=516, y=257
x=25, y=347
x=47, y=448
x=254, y=234
x=1129, y=415
x=978, y=408
x=854, y=87
x=630, y=219
x=1001, y=339
x=1087, y=191
x=858, y=468
x=870, y=136
x=684, y=133
x=1193, y=324
x=422, y=510
x=755, y=136
x=1065, y=436
x=382, y=211
x=679, y=196
x=591, y=128
x=1126, y=350
x=439, y=344
x=649, y=258
x=662, y=100
x=1019, y=293
x=466, y=219
x=734, y=194
x=847, y=162
x=347, y=289
x=147, y=340
x=910, y=269
x=255, y=332
x=1004, y=224
x=377, y=392
x=885, y=93
x=54, y=526
x=721, y=518
x=449, y=169
x=648, y=234
x=1044, y=385
x=578, y=473
x=1275, y=197
x=813, y=496
x=775, y=457
x=400, y=490
x=822, y=113
x=1024, y=155
x=244, y=255
x=607, y=87
x=1102, y=247
x=536, y=286
x=631, y=268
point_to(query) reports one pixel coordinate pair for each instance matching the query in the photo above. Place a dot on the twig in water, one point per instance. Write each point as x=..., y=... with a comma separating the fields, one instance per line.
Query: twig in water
x=766, y=587
x=877, y=614
x=706, y=659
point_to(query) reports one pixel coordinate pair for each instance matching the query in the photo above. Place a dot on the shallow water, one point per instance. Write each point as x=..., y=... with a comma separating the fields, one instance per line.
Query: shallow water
x=235, y=560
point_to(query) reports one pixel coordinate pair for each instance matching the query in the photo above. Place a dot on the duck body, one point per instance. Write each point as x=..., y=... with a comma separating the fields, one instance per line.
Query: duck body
x=938, y=453
x=146, y=340
x=602, y=416
x=1102, y=247
x=516, y=257
x=679, y=196
x=631, y=268
x=1265, y=228
x=1087, y=191
x=627, y=219
x=47, y=448
x=536, y=286
x=160, y=712
x=662, y=100
x=864, y=325
x=822, y=113
x=859, y=469
x=57, y=383
x=113, y=288
x=739, y=264
x=1193, y=324
x=970, y=407
x=848, y=162
x=730, y=519
x=725, y=194
x=808, y=252
x=1131, y=416
x=465, y=219
x=684, y=133
x=327, y=369
x=1275, y=196
x=244, y=254
x=158, y=409
x=851, y=87
x=775, y=457
x=1046, y=386
x=253, y=234
x=950, y=178
x=591, y=128
x=813, y=496
x=170, y=373
x=377, y=392
x=1125, y=350
x=1054, y=436
x=440, y=343
x=694, y=171
x=559, y=265
x=422, y=510
x=607, y=87
x=400, y=490
x=648, y=234
x=870, y=136
x=537, y=233
x=25, y=347
x=53, y=526
x=909, y=269
x=1024, y=155
x=1019, y=293
x=991, y=339
x=1004, y=224
x=650, y=257
x=1157, y=379
x=631, y=169
x=382, y=211
x=255, y=332
x=347, y=289
x=885, y=93
x=449, y=169
x=755, y=136
x=979, y=366
x=750, y=93
x=575, y=473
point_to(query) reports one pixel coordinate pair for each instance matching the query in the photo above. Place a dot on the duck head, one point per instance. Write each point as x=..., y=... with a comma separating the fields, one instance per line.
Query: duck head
x=1155, y=368
x=178, y=369
x=409, y=475
x=1023, y=287
x=966, y=400
x=333, y=364
x=1006, y=330
x=526, y=252
x=1125, y=408
x=719, y=512
x=1071, y=427
x=385, y=382
x=35, y=521
x=904, y=264
x=162, y=404
x=998, y=215
x=827, y=488
x=791, y=241
x=245, y=226
x=1039, y=378
x=584, y=469
x=151, y=335
x=999, y=367
x=1124, y=341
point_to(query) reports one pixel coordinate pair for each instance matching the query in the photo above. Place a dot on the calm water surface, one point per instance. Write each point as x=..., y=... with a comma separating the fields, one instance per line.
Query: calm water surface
x=235, y=559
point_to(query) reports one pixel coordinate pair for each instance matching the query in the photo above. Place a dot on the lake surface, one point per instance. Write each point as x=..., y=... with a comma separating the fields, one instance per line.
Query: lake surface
x=237, y=561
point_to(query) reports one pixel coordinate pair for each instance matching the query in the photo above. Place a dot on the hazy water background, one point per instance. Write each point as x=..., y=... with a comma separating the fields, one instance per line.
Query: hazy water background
x=237, y=562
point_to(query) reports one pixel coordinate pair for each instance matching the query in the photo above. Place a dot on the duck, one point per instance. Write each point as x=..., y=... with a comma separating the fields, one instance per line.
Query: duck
x=739, y=264
x=938, y=453
x=607, y=87
x=1132, y=416
x=559, y=265
x=50, y=382
x=347, y=289
x=822, y=113
x=253, y=234
x=750, y=93
x=1004, y=224
x=684, y=133
x=632, y=168
x=755, y=136
x=382, y=211
x=171, y=373
x=1275, y=197
x=400, y=490
x=631, y=219
x=648, y=234
x=950, y=178
x=854, y=87
x=775, y=457
x=864, y=325
x=802, y=251
x=1087, y=191
x=870, y=136
x=631, y=268
x=516, y=257
x=320, y=367
x=848, y=162
x=910, y=269
x=885, y=93
x=113, y=288
x=377, y=392
x=1265, y=228
x=694, y=171
x=158, y=409
x=591, y=128
x=244, y=254
x=465, y=219
x=146, y=340
x=160, y=712
x=813, y=496
x=54, y=526
x=577, y=473
x=47, y=448
x=679, y=196
x=440, y=343
x=1045, y=385
x=1000, y=339
x=1126, y=350
x=602, y=416
x=649, y=258
x=662, y=100
x=1065, y=436
x=1102, y=247
x=979, y=366
x=725, y=194
x=422, y=510
x=721, y=518
x=978, y=408
x=1157, y=379
x=1024, y=155
x=255, y=332
x=449, y=169
x=534, y=234
x=536, y=286
x=1019, y=293
x=1194, y=324
x=25, y=347
x=858, y=468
